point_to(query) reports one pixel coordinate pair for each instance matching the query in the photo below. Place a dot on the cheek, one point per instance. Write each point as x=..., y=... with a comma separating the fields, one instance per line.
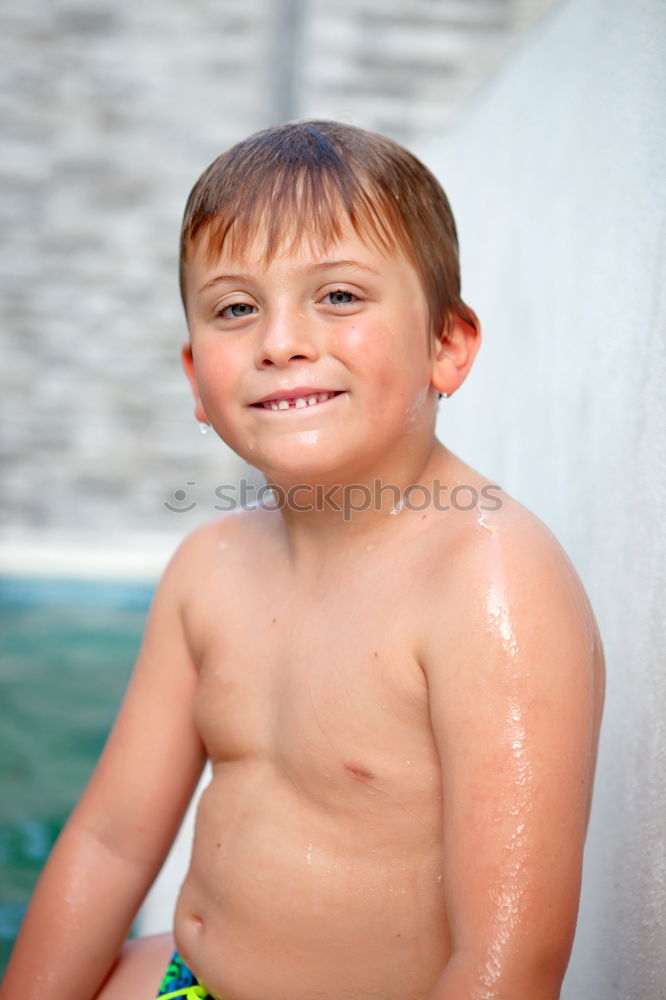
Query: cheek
x=369, y=351
x=216, y=376
x=397, y=366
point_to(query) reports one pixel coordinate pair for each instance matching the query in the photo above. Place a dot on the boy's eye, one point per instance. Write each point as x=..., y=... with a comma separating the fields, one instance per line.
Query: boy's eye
x=237, y=310
x=339, y=297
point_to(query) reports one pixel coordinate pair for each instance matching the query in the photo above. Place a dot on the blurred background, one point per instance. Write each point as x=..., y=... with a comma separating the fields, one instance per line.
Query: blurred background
x=544, y=120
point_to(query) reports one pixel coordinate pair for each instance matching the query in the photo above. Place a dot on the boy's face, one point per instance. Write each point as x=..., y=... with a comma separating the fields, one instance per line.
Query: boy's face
x=316, y=366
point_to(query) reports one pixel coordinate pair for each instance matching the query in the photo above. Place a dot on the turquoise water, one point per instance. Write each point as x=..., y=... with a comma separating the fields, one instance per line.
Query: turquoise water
x=66, y=651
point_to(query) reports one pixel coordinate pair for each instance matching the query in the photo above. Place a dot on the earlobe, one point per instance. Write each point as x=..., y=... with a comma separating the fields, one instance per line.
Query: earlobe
x=455, y=351
x=189, y=369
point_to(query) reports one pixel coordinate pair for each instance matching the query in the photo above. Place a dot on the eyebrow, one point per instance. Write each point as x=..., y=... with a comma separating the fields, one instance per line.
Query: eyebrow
x=222, y=277
x=323, y=265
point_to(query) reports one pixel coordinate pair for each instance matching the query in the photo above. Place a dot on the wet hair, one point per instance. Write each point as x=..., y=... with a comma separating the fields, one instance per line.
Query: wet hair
x=297, y=180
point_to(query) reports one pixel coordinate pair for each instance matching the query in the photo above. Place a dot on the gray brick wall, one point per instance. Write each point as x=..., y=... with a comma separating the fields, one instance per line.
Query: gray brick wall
x=109, y=111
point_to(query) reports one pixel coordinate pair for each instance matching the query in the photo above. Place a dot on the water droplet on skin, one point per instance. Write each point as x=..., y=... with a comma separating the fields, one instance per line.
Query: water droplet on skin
x=484, y=524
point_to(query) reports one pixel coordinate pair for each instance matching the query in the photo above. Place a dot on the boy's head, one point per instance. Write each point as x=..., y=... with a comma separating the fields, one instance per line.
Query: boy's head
x=295, y=182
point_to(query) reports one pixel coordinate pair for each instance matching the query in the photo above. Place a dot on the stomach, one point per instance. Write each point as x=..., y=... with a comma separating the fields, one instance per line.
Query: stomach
x=290, y=898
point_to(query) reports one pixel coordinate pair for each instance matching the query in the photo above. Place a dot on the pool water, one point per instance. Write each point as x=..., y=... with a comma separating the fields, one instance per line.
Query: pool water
x=66, y=652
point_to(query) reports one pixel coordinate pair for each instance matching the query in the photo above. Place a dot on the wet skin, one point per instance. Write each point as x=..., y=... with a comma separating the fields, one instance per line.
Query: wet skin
x=320, y=861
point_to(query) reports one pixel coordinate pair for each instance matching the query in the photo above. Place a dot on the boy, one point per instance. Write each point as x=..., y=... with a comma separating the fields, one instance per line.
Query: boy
x=400, y=694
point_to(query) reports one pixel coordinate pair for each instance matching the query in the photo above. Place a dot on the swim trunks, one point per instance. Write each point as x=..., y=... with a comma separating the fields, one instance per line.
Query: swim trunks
x=179, y=981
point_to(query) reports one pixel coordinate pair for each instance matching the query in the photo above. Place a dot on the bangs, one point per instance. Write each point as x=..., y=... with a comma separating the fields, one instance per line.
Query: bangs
x=312, y=210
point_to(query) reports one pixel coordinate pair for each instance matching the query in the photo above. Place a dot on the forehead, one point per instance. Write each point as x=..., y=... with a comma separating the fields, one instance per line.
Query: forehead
x=260, y=247
x=299, y=251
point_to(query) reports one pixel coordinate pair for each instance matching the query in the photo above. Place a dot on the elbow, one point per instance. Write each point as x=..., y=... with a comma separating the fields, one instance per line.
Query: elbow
x=537, y=976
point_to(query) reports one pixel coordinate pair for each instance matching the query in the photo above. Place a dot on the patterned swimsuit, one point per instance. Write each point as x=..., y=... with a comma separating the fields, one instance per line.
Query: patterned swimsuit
x=179, y=981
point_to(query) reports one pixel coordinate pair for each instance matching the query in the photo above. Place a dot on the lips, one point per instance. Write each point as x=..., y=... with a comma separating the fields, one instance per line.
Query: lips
x=298, y=400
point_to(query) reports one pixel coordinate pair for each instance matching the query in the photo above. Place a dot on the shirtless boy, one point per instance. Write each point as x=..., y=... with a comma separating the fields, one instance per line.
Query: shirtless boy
x=401, y=702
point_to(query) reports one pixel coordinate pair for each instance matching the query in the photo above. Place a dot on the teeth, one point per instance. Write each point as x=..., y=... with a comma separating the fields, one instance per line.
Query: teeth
x=298, y=403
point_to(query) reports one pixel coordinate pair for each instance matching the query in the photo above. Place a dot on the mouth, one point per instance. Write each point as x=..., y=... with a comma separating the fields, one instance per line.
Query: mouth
x=297, y=401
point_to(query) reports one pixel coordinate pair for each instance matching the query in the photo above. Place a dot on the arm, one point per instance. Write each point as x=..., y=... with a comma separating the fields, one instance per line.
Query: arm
x=116, y=839
x=516, y=687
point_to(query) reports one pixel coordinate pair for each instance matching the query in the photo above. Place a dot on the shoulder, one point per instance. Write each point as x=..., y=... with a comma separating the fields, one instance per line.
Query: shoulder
x=503, y=539
x=507, y=592
x=217, y=559
x=222, y=541
x=206, y=582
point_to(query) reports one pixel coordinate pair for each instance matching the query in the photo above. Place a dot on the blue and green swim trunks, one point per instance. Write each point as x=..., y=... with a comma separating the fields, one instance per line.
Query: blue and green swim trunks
x=179, y=981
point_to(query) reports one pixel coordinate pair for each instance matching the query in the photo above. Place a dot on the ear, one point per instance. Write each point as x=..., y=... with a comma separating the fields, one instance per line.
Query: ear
x=189, y=369
x=455, y=351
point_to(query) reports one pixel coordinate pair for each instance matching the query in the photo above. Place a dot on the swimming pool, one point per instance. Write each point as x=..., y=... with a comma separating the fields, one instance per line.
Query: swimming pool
x=66, y=650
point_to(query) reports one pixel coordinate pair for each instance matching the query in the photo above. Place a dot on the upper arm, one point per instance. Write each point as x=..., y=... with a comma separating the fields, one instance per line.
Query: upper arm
x=515, y=684
x=153, y=757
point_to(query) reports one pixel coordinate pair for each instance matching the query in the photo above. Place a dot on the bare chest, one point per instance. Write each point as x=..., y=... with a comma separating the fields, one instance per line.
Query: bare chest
x=326, y=686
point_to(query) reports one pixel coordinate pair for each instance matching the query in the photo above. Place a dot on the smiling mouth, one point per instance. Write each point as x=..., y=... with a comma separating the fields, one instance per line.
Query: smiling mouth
x=297, y=402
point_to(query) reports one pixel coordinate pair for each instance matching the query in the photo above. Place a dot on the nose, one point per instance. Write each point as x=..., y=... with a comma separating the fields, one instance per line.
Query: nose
x=287, y=336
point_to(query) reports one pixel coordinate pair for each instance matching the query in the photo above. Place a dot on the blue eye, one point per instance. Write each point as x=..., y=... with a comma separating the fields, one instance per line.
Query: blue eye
x=237, y=310
x=340, y=297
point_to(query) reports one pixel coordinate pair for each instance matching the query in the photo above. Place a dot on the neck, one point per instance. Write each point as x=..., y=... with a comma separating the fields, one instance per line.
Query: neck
x=337, y=517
